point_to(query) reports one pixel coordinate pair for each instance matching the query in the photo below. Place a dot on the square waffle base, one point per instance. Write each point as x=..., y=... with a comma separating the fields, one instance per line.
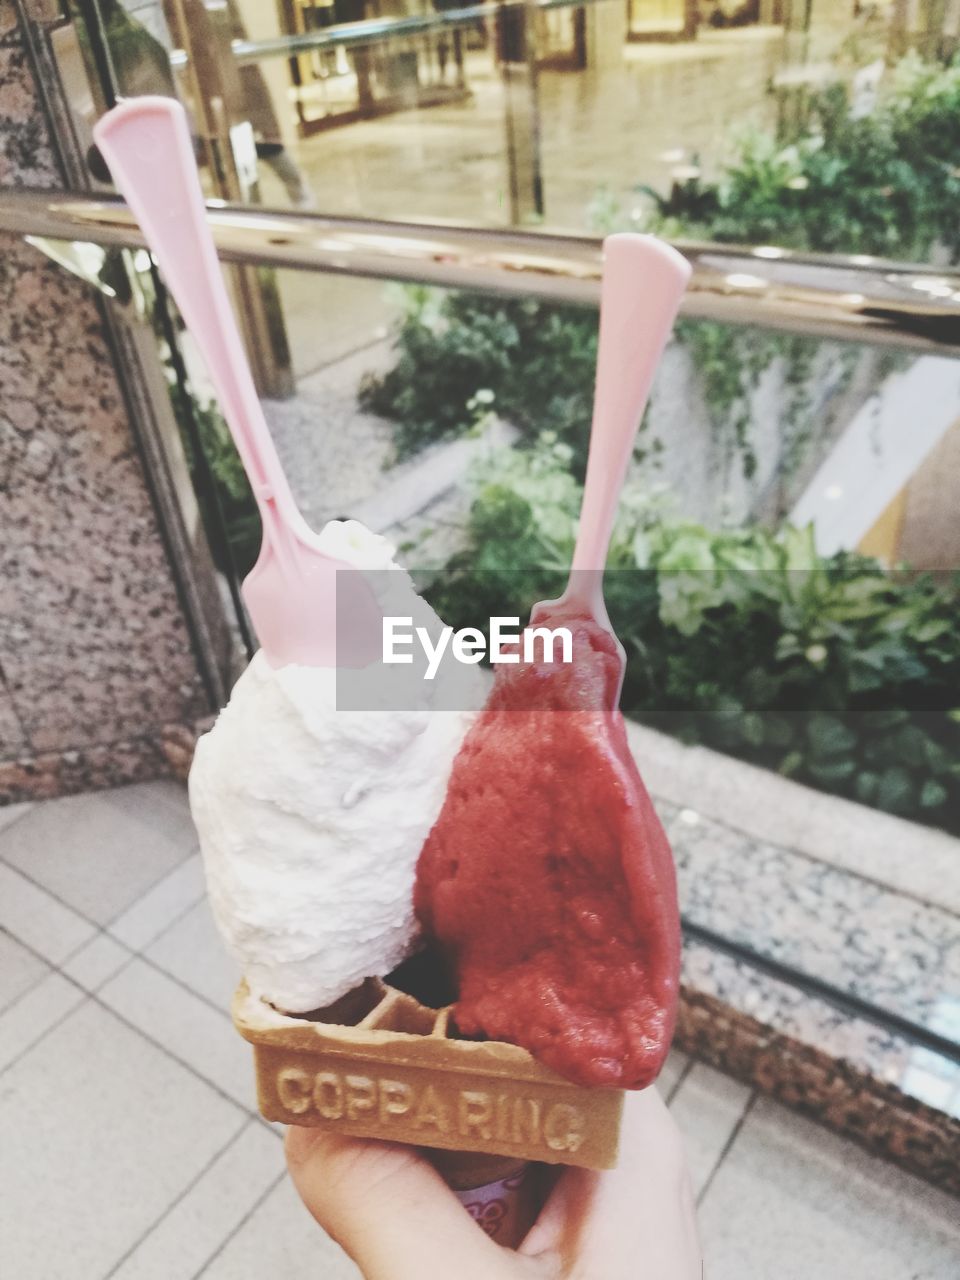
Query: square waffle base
x=379, y=1064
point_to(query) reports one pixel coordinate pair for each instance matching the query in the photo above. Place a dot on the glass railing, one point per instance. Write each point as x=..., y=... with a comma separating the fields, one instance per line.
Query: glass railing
x=495, y=113
x=807, y=386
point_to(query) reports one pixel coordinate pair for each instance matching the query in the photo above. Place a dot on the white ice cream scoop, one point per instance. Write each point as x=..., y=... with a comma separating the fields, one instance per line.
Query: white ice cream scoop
x=311, y=818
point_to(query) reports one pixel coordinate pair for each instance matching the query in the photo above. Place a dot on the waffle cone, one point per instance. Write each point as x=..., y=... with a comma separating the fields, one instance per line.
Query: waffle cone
x=379, y=1064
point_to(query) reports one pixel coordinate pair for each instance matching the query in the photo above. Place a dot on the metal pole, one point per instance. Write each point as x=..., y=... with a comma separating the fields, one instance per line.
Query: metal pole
x=205, y=32
x=516, y=51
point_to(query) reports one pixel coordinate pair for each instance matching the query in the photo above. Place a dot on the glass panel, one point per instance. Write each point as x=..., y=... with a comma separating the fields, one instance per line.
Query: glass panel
x=497, y=113
x=421, y=93
x=461, y=436
x=747, y=632
x=775, y=476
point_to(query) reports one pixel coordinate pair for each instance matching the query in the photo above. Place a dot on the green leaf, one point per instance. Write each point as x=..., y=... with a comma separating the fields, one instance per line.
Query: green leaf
x=761, y=688
x=931, y=630
x=911, y=745
x=753, y=728
x=864, y=679
x=895, y=790
x=829, y=736
x=800, y=550
x=866, y=786
x=791, y=764
x=932, y=794
x=788, y=646
x=832, y=772
x=778, y=731
x=885, y=719
x=726, y=707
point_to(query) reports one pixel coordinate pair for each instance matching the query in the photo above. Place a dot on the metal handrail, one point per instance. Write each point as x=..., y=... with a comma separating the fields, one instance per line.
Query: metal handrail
x=858, y=298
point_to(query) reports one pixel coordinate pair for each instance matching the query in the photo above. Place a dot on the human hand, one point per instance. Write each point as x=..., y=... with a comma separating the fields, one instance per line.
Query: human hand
x=397, y=1219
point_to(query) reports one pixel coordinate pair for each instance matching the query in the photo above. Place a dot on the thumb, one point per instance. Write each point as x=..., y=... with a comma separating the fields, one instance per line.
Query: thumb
x=392, y=1212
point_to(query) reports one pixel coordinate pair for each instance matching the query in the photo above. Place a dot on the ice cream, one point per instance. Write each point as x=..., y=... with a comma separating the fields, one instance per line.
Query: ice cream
x=544, y=873
x=311, y=819
x=547, y=880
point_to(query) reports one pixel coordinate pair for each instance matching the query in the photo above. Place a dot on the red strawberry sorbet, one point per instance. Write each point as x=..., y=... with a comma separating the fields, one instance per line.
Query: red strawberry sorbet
x=547, y=880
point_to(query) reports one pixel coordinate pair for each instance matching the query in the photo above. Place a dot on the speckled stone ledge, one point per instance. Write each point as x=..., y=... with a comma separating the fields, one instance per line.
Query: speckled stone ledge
x=61, y=773
x=878, y=946
x=843, y=1072
x=774, y=810
x=854, y=903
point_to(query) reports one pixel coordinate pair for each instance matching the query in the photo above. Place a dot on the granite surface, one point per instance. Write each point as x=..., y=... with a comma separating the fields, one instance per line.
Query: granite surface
x=850, y=1075
x=878, y=945
x=835, y=1061
x=813, y=914
x=44, y=775
x=914, y=861
x=26, y=159
x=94, y=649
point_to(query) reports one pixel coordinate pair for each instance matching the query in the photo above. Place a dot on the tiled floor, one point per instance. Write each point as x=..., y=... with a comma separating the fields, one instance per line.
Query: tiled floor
x=131, y=1148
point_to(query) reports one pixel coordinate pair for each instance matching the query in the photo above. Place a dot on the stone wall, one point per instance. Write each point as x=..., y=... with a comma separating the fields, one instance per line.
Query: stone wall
x=95, y=651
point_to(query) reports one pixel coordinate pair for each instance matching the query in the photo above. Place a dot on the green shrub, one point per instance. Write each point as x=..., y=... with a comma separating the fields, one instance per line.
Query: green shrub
x=827, y=669
x=538, y=361
x=886, y=183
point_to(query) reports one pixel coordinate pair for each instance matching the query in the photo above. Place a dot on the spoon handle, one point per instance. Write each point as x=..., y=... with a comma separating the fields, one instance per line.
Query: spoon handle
x=643, y=282
x=146, y=143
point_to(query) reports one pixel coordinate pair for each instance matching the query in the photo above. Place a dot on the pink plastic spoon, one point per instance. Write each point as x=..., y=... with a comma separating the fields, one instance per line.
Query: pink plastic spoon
x=643, y=282
x=291, y=592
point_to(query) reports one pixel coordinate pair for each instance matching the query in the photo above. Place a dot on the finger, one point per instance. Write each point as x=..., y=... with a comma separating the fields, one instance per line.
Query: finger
x=551, y=1236
x=392, y=1212
x=635, y=1221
